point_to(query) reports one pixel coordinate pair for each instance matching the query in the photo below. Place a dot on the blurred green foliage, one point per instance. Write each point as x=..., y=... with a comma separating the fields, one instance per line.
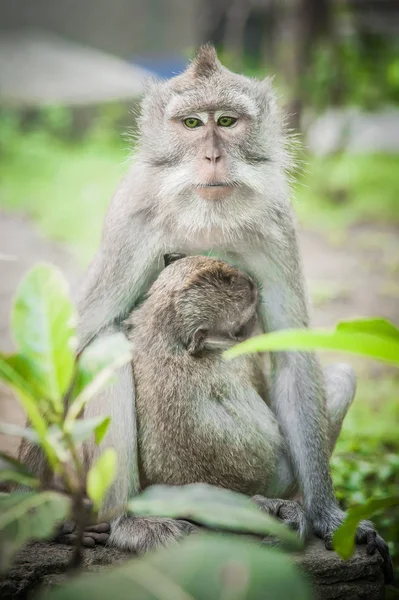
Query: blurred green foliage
x=360, y=70
x=63, y=183
x=344, y=188
x=366, y=460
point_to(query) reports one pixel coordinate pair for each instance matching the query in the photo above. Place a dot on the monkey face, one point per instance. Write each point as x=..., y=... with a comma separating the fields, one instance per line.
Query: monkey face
x=212, y=135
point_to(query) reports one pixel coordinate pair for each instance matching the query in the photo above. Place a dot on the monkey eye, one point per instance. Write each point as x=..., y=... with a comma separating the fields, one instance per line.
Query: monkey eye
x=227, y=121
x=192, y=122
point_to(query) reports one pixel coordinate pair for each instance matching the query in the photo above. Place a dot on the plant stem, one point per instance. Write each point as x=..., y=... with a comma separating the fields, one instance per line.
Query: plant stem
x=79, y=517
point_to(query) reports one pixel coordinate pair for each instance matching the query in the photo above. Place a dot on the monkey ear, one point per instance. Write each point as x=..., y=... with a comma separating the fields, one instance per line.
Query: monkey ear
x=205, y=62
x=170, y=258
x=196, y=341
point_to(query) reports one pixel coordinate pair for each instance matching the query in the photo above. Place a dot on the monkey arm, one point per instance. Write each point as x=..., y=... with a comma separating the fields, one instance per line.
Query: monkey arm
x=129, y=257
x=120, y=272
x=297, y=391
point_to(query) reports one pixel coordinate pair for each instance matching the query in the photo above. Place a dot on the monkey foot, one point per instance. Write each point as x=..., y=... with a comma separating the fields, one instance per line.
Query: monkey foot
x=93, y=535
x=288, y=511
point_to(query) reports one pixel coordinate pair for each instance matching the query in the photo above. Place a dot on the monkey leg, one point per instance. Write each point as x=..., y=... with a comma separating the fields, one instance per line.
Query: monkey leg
x=340, y=385
x=141, y=534
x=288, y=511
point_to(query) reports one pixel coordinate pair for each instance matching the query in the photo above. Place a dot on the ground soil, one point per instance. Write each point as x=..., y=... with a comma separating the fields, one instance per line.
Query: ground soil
x=350, y=274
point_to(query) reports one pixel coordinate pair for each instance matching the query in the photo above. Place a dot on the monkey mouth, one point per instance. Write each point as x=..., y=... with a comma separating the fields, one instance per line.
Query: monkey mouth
x=214, y=191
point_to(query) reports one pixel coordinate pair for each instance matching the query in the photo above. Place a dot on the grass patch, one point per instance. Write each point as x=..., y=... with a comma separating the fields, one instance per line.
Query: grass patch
x=65, y=187
x=340, y=190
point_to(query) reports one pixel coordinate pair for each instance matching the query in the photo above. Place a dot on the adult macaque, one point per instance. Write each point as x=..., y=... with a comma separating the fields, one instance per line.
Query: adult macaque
x=210, y=175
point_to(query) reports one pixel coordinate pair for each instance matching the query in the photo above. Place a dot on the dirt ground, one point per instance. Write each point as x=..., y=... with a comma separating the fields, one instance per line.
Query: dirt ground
x=351, y=275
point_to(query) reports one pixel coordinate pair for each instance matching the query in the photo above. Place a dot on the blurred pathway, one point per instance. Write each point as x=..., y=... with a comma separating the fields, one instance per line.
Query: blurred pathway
x=357, y=275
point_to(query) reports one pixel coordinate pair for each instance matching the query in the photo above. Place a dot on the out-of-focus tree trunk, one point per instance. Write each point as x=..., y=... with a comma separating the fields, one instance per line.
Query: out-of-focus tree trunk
x=211, y=20
x=302, y=24
x=236, y=18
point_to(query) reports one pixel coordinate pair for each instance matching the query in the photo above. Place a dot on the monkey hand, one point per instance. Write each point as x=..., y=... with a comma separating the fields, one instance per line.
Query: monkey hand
x=288, y=511
x=93, y=534
x=325, y=527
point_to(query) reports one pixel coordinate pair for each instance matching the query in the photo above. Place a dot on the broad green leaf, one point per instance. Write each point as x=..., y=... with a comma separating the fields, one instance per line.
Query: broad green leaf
x=24, y=375
x=379, y=327
x=344, y=537
x=42, y=324
x=9, y=476
x=16, y=430
x=201, y=567
x=347, y=337
x=101, y=430
x=81, y=429
x=96, y=366
x=211, y=506
x=101, y=476
x=12, y=377
x=28, y=516
x=12, y=470
x=30, y=405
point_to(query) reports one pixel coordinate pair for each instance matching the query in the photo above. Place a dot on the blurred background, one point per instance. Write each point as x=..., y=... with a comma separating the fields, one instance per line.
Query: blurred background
x=71, y=77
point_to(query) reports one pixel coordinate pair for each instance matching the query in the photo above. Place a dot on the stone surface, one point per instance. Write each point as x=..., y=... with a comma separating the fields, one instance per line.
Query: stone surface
x=354, y=131
x=38, y=68
x=360, y=578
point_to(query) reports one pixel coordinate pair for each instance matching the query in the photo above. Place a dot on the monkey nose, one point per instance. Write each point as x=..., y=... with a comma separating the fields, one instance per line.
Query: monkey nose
x=213, y=155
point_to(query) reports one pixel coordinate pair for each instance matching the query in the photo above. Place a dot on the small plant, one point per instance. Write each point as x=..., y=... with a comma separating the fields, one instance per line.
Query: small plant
x=53, y=388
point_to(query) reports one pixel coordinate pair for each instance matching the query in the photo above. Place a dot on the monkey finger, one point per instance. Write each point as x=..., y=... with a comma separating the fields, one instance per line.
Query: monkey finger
x=98, y=538
x=67, y=527
x=71, y=539
x=188, y=527
x=87, y=504
x=328, y=541
x=99, y=528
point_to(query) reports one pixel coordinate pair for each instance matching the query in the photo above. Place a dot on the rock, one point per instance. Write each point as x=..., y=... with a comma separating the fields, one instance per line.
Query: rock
x=359, y=578
x=354, y=131
x=39, y=69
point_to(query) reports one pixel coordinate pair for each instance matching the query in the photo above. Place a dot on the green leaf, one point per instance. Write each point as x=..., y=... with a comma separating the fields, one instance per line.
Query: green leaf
x=20, y=375
x=375, y=338
x=24, y=432
x=9, y=476
x=101, y=476
x=101, y=430
x=29, y=403
x=96, y=366
x=211, y=506
x=42, y=324
x=12, y=470
x=26, y=516
x=344, y=537
x=11, y=375
x=81, y=429
x=379, y=327
x=201, y=567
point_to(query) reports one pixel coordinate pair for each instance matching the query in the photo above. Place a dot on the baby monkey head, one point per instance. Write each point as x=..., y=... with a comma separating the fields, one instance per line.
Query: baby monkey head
x=214, y=133
x=214, y=304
